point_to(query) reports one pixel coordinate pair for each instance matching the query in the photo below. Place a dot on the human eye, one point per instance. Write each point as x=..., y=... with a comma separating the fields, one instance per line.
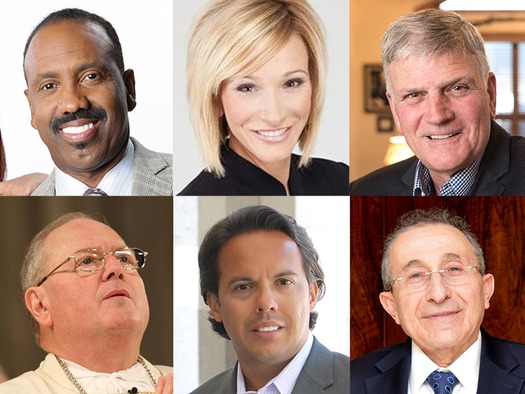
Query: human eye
x=245, y=88
x=413, y=96
x=455, y=268
x=91, y=78
x=459, y=90
x=242, y=287
x=284, y=282
x=294, y=83
x=415, y=276
x=47, y=86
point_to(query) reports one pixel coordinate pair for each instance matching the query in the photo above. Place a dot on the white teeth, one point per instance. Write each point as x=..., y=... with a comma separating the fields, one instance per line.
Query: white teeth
x=268, y=329
x=77, y=130
x=273, y=133
x=441, y=137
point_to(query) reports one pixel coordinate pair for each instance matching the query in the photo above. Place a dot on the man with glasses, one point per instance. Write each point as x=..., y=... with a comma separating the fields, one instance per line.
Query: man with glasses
x=436, y=288
x=89, y=310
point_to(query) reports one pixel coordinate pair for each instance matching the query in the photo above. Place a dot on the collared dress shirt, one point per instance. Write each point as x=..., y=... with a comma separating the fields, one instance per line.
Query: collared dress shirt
x=117, y=182
x=285, y=381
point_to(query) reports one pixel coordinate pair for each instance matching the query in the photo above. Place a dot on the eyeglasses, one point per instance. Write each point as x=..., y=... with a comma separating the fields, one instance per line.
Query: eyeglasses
x=416, y=280
x=92, y=260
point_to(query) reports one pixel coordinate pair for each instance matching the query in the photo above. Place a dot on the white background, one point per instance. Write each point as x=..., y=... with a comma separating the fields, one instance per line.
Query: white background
x=145, y=29
x=333, y=137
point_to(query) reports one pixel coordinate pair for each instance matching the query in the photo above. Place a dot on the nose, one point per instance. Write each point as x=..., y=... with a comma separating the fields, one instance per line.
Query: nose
x=72, y=98
x=272, y=108
x=265, y=300
x=438, y=109
x=437, y=290
x=112, y=268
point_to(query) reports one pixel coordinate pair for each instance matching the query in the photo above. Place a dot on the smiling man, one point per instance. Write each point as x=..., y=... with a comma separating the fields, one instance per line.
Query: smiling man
x=261, y=278
x=443, y=100
x=80, y=94
x=89, y=310
x=437, y=289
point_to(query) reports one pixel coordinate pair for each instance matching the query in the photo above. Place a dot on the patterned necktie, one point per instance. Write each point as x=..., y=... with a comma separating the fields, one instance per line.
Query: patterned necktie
x=91, y=191
x=442, y=382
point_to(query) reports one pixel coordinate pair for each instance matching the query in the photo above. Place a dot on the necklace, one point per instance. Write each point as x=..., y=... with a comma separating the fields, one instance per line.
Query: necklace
x=81, y=390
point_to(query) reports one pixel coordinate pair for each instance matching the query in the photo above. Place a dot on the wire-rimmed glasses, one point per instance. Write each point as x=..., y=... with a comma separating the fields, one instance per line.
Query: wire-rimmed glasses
x=92, y=260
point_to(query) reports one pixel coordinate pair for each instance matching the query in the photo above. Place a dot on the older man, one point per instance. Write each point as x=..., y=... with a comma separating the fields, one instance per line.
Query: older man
x=437, y=289
x=261, y=278
x=79, y=94
x=443, y=100
x=89, y=310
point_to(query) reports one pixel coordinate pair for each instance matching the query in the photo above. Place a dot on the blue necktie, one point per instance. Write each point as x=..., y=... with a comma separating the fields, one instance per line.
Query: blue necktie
x=442, y=382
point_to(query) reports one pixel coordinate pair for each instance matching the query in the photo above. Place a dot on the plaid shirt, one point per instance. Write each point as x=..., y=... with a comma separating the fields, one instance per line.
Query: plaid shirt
x=458, y=185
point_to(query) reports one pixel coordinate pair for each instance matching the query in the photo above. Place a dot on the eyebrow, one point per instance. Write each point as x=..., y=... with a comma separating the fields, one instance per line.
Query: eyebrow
x=286, y=74
x=54, y=74
x=444, y=258
x=237, y=279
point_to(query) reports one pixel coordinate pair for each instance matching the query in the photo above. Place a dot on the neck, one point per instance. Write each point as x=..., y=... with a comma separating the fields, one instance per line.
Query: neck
x=256, y=376
x=105, y=355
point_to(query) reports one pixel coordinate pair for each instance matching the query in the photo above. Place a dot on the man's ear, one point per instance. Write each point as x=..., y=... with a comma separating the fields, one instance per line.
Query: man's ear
x=129, y=82
x=213, y=303
x=389, y=304
x=36, y=302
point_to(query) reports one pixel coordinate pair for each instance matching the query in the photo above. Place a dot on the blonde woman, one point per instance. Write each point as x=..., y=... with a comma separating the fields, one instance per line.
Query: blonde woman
x=256, y=77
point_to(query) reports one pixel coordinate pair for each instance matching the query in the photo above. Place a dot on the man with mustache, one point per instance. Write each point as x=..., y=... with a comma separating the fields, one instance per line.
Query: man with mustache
x=261, y=278
x=436, y=288
x=89, y=310
x=79, y=94
x=442, y=95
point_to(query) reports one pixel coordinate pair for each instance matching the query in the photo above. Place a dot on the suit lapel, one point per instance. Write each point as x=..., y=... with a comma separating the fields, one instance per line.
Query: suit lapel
x=395, y=370
x=317, y=373
x=496, y=364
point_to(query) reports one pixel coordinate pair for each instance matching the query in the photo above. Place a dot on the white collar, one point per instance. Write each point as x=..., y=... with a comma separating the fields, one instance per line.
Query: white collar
x=285, y=381
x=466, y=367
x=117, y=182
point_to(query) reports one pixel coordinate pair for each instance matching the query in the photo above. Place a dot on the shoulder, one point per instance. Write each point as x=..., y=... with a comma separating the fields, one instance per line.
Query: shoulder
x=387, y=180
x=223, y=383
x=47, y=187
x=320, y=176
x=366, y=366
x=141, y=152
x=206, y=184
x=29, y=382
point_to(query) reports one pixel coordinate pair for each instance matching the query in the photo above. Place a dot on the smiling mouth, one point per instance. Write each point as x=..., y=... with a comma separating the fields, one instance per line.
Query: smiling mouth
x=272, y=133
x=442, y=137
x=77, y=130
x=267, y=329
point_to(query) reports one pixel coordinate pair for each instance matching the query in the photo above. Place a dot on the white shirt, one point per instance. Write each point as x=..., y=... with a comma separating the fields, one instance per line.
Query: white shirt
x=109, y=383
x=285, y=381
x=117, y=182
x=466, y=369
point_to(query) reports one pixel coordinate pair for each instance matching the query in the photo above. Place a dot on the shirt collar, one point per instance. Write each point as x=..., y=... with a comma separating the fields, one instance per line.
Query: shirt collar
x=117, y=182
x=285, y=381
x=458, y=185
x=466, y=367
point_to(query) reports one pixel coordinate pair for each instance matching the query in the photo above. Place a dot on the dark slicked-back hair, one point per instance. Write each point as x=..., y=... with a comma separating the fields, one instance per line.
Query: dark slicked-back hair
x=246, y=220
x=81, y=16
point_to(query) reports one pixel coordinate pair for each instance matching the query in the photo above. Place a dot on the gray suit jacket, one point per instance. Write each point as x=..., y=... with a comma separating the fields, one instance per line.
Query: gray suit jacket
x=152, y=174
x=324, y=372
x=500, y=173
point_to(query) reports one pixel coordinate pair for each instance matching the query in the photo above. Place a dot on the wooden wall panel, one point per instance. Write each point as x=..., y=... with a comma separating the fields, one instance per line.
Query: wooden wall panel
x=499, y=224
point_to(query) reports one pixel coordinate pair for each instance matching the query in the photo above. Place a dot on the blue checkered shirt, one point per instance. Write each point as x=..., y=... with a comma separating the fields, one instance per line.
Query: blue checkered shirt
x=458, y=185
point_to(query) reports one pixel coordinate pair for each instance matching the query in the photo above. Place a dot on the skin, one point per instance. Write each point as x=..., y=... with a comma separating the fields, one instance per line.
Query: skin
x=109, y=339
x=276, y=97
x=68, y=68
x=443, y=320
x=444, y=96
x=263, y=284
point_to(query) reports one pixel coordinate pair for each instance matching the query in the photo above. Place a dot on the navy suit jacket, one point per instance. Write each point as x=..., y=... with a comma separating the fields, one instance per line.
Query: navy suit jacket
x=502, y=368
x=500, y=173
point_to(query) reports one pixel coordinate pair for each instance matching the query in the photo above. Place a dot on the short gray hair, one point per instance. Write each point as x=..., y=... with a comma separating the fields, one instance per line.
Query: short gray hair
x=419, y=217
x=432, y=32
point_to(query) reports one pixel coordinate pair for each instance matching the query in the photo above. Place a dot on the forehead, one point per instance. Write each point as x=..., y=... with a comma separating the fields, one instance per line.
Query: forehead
x=80, y=234
x=67, y=37
x=429, y=243
x=259, y=252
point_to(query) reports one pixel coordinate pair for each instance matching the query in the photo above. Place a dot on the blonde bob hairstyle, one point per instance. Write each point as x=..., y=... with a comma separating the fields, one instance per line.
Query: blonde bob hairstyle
x=235, y=37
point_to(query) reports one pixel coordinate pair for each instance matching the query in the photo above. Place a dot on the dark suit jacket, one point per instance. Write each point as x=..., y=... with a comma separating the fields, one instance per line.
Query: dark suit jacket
x=500, y=173
x=324, y=372
x=502, y=368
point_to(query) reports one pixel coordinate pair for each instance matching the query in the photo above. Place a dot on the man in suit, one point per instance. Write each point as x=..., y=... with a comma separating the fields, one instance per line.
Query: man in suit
x=79, y=94
x=89, y=312
x=261, y=278
x=443, y=99
x=436, y=288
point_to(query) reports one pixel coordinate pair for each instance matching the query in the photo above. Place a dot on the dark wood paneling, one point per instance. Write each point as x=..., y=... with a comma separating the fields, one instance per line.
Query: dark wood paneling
x=499, y=224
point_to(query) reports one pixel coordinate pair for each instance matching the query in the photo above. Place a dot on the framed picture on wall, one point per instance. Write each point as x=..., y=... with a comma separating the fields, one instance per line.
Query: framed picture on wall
x=375, y=89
